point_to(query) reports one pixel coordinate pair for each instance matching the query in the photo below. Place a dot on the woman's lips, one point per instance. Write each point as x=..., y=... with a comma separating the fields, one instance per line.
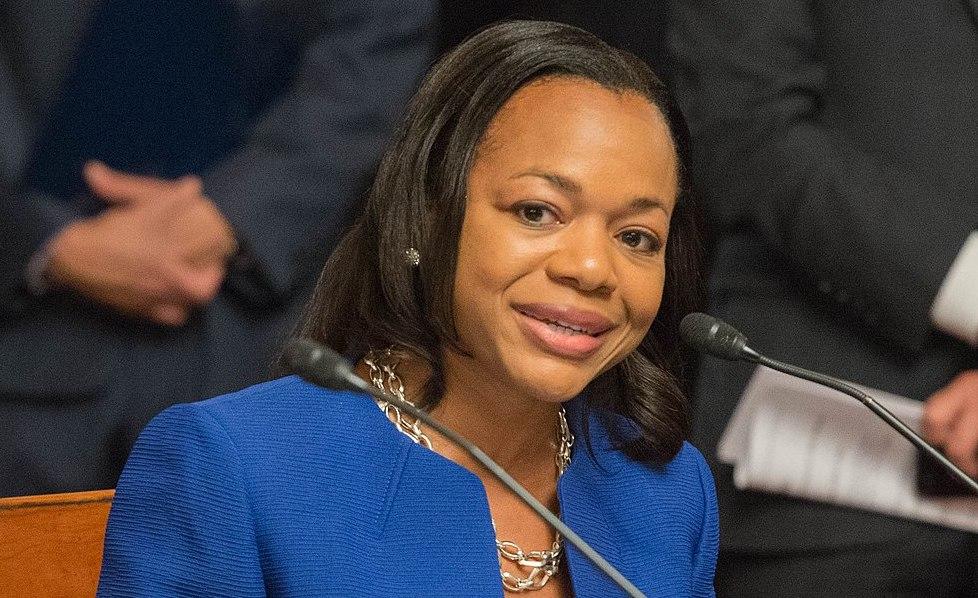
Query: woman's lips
x=563, y=330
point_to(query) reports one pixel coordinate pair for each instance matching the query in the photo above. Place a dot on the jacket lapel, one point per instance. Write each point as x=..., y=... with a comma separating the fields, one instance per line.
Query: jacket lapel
x=436, y=520
x=583, y=490
x=580, y=510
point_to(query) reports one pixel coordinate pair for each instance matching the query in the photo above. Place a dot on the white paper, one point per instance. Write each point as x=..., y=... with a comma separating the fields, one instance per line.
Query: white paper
x=793, y=437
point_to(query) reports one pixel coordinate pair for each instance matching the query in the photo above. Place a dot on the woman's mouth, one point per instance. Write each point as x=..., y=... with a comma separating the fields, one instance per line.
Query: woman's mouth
x=563, y=330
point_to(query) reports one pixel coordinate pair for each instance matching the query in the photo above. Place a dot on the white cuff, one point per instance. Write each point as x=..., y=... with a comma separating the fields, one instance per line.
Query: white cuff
x=955, y=309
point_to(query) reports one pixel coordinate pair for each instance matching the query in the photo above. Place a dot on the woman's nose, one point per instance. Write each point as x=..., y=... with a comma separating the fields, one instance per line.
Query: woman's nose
x=584, y=259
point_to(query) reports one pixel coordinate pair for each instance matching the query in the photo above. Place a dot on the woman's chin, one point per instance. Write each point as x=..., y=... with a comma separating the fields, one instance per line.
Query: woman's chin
x=555, y=387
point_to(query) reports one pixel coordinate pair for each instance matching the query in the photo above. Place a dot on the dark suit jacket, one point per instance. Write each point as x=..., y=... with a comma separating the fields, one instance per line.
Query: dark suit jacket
x=77, y=382
x=638, y=26
x=836, y=146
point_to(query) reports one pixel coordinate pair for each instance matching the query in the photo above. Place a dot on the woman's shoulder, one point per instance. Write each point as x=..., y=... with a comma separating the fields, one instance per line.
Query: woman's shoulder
x=687, y=479
x=289, y=397
x=688, y=462
x=282, y=413
x=683, y=486
x=604, y=431
x=686, y=473
x=279, y=438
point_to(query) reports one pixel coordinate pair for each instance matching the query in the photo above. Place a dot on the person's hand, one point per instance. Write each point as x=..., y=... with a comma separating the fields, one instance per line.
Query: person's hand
x=193, y=224
x=157, y=252
x=951, y=421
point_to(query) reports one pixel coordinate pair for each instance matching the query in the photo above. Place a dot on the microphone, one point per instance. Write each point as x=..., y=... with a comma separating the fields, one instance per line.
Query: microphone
x=711, y=335
x=715, y=337
x=323, y=367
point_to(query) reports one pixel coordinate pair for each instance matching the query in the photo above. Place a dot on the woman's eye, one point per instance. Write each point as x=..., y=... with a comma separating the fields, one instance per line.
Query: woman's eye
x=641, y=241
x=536, y=214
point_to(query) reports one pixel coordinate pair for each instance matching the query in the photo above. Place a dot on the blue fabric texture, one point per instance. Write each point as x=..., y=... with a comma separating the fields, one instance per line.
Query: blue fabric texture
x=286, y=489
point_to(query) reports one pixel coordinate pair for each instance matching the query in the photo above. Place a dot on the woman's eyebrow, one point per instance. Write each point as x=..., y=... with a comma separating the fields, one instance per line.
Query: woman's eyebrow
x=572, y=187
x=645, y=204
x=559, y=181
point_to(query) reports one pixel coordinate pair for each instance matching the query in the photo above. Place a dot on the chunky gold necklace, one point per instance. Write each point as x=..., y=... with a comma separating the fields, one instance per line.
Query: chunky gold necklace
x=542, y=564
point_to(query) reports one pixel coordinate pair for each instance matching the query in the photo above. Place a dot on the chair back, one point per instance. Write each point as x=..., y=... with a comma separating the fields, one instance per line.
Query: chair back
x=51, y=544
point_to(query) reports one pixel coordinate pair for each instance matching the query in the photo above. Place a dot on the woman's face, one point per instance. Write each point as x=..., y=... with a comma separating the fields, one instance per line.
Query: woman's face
x=561, y=256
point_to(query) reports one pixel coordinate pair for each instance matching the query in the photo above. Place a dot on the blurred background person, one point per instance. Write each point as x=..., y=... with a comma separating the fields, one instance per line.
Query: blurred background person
x=837, y=146
x=132, y=283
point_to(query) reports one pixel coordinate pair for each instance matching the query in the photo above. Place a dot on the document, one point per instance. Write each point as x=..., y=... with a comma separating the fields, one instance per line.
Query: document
x=794, y=437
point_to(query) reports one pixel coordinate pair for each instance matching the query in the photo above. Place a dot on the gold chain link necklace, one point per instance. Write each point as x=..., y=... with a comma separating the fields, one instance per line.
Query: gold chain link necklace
x=542, y=564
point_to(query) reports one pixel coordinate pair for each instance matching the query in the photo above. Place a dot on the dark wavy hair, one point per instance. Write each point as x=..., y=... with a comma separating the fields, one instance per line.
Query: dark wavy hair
x=369, y=297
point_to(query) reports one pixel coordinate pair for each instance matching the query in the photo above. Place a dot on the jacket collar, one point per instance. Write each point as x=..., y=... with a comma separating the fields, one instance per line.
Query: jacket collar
x=595, y=434
x=586, y=492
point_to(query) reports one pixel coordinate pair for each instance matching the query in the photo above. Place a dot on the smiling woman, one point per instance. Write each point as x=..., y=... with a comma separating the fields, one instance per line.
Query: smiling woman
x=519, y=270
x=561, y=244
x=501, y=106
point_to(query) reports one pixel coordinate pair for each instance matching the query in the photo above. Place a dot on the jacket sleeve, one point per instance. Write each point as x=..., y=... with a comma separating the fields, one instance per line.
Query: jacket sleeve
x=291, y=189
x=771, y=160
x=27, y=220
x=705, y=558
x=180, y=522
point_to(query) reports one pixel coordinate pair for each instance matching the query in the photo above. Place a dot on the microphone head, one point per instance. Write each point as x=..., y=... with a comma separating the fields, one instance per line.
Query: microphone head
x=320, y=365
x=302, y=354
x=712, y=335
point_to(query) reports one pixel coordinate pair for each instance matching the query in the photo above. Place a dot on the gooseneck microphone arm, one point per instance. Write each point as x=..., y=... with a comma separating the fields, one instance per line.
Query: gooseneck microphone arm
x=715, y=337
x=323, y=367
x=881, y=411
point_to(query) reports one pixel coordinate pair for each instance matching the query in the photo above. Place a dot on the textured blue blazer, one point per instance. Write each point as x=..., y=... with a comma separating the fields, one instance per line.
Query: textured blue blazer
x=285, y=489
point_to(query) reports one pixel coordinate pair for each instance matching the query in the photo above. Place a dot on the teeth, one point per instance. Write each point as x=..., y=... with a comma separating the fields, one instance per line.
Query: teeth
x=561, y=326
x=565, y=327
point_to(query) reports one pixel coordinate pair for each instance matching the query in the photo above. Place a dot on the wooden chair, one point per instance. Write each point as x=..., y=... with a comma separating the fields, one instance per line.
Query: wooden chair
x=51, y=545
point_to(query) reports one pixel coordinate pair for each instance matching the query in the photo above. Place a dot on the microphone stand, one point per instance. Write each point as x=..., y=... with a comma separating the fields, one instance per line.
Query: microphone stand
x=321, y=366
x=881, y=411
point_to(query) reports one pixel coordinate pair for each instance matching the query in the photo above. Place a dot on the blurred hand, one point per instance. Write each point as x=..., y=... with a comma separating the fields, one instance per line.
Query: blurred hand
x=951, y=421
x=157, y=252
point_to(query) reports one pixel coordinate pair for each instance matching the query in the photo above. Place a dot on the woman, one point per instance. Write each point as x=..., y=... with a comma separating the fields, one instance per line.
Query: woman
x=519, y=270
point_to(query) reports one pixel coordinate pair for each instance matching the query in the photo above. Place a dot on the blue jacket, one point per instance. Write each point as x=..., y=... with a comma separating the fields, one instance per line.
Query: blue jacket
x=285, y=489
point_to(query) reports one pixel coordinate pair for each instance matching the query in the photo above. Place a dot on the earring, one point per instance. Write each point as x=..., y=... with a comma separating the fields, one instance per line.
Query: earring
x=412, y=257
